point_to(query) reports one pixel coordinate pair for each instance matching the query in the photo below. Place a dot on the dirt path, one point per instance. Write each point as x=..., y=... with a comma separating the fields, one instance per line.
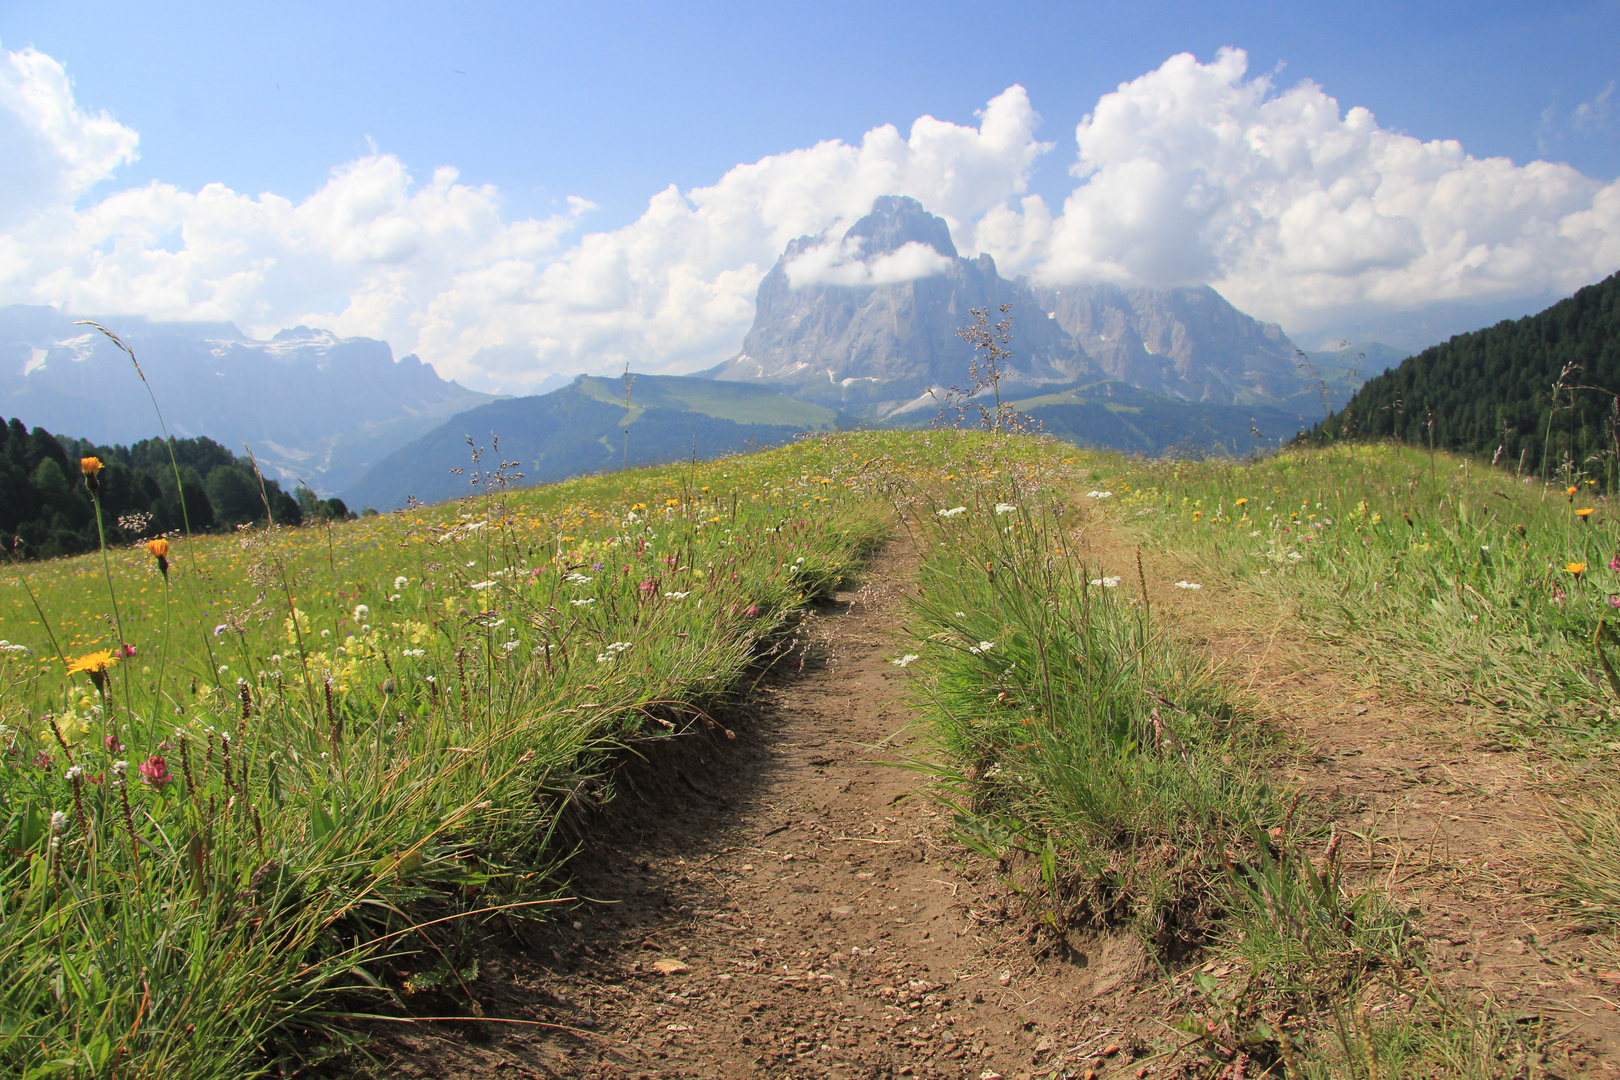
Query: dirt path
x=1442, y=820
x=778, y=905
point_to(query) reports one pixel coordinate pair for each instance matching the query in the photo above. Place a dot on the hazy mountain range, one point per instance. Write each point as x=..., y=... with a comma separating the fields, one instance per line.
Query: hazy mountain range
x=312, y=406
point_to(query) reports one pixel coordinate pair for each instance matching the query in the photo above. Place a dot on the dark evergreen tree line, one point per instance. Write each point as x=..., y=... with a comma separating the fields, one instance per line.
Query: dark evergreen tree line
x=45, y=509
x=1538, y=393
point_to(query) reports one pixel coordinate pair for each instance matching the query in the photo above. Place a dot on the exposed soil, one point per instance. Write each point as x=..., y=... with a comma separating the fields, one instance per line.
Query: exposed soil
x=1436, y=814
x=785, y=903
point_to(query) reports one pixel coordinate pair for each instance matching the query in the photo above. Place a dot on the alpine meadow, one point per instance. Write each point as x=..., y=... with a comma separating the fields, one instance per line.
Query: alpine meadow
x=608, y=543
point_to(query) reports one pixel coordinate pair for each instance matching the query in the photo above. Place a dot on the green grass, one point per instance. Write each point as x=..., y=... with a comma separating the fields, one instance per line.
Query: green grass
x=1077, y=737
x=370, y=733
x=344, y=749
x=1444, y=577
x=1120, y=783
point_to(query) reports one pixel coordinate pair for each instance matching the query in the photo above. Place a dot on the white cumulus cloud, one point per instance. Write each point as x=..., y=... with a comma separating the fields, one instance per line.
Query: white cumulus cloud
x=54, y=151
x=436, y=269
x=840, y=263
x=1300, y=212
x=1295, y=209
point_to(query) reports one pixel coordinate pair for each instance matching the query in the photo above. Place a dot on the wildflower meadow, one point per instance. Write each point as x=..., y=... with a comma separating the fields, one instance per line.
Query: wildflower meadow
x=240, y=770
x=1438, y=574
x=260, y=786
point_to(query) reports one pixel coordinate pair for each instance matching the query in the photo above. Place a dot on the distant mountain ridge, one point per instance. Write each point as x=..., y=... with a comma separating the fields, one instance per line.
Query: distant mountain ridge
x=581, y=428
x=859, y=327
x=849, y=337
x=1116, y=416
x=310, y=404
x=1184, y=342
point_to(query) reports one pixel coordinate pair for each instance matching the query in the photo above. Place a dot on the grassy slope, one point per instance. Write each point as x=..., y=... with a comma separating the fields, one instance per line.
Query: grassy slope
x=1123, y=418
x=1087, y=752
x=1118, y=781
x=1442, y=575
x=331, y=737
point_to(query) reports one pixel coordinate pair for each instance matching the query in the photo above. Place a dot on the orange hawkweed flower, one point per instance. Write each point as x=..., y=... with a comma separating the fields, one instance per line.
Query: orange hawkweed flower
x=1576, y=568
x=1584, y=512
x=160, y=551
x=1571, y=491
x=90, y=466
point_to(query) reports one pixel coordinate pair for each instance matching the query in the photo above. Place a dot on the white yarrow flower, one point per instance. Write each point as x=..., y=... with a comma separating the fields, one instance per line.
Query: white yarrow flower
x=678, y=595
x=1005, y=508
x=582, y=603
x=480, y=585
x=1107, y=582
x=981, y=647
x=904, y=660
x=952, y=512
x=612, y=651
x=1188, y=585
x=1099, y=494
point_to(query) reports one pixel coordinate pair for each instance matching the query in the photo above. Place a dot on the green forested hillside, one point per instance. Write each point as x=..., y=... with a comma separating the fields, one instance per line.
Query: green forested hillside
x=1537, y=393
x=45, y=508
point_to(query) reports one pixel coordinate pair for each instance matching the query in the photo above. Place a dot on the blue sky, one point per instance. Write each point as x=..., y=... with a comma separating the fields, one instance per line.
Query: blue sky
x=615, y=101
x=273, y=164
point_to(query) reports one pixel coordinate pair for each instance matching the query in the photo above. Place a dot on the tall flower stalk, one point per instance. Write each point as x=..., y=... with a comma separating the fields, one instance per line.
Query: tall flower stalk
x=168, y=440
x=159, y=550
x=91, y=468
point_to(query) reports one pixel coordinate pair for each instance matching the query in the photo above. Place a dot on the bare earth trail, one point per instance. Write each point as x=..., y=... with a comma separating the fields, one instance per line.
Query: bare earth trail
x=780, y=905
x=1435, y=814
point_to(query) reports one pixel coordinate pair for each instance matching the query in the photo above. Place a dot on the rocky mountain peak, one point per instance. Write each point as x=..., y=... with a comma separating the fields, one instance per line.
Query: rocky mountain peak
x=898, y=220
x=875, y=345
